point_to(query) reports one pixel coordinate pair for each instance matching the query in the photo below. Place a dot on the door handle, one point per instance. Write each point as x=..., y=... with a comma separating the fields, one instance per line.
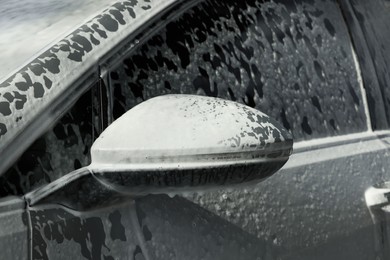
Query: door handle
x=378, y=202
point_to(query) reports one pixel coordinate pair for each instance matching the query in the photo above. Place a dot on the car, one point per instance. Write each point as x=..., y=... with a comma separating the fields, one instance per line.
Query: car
x=318, y=69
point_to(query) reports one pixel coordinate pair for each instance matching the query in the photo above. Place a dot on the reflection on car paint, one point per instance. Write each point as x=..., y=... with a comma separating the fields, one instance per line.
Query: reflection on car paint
x=60, y=233
x=201, y=235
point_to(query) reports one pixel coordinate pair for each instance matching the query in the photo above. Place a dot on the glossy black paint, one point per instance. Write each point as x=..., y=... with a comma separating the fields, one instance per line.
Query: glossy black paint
x=201, y=234
x=60, y=233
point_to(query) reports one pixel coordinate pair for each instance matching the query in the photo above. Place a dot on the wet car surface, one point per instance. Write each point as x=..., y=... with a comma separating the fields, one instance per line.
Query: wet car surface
x=317, y=67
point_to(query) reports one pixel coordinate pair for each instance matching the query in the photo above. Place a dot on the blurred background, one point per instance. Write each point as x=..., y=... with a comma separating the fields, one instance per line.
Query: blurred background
x=28, y=26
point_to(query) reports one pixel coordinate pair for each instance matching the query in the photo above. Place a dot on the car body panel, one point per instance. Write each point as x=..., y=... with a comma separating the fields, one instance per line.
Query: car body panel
x=60, y=233
x=14, y=223
x=200, y=233
x=315, y=201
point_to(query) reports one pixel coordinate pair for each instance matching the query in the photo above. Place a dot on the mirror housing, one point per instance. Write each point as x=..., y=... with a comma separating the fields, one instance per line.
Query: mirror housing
x=184, y=142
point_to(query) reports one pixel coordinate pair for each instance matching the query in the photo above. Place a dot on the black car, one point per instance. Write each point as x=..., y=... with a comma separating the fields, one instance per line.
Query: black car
x=318, y=68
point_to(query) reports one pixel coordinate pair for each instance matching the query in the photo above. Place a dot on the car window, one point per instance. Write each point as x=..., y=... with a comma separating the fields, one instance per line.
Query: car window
x=368, y=22
x=62, y=149
x=290, y=59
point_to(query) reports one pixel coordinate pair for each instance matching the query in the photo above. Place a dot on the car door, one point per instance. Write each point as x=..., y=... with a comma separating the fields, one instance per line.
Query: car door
x=296, y=62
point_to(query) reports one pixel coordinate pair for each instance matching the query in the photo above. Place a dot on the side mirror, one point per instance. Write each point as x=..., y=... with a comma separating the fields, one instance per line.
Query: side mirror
x=188, y=142
x=176, y=143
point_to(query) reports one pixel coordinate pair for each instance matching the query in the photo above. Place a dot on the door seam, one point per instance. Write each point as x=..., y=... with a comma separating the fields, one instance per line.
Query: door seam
x=30, y=230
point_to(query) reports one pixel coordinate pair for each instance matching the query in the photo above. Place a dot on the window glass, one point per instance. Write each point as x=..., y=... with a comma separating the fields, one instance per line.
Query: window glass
x=290, y=59
x=62, y=149
x=369, y=25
